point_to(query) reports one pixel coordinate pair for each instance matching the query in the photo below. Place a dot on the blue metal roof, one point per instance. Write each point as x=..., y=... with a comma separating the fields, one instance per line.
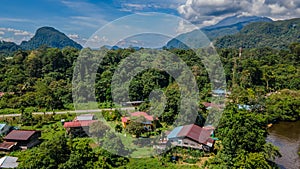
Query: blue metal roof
x=244, y=106
x=174, y=132
x=219, y=91
x=2, y=125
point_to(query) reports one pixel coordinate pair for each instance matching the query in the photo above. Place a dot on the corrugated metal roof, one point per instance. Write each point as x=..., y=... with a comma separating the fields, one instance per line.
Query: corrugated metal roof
x=22, y=135
x=7, y=145
x=9, y=162
x=194, y=132
x=144, y=114
x=138, y=114
x=174, y=132
x=79, y=123
x=2, y=125
x=84, y=117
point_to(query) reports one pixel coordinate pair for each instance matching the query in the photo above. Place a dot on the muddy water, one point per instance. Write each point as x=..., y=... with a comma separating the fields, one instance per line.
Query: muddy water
x=286, y=135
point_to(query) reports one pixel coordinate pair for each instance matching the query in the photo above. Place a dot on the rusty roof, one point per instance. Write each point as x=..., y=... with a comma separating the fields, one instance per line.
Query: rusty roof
x=21, y=135
x=194, y=132
x=139, y=114
x=7, y=145
x=83, y=123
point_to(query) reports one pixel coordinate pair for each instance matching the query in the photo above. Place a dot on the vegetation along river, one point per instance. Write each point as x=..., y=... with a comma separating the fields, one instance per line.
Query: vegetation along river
x=286, y=135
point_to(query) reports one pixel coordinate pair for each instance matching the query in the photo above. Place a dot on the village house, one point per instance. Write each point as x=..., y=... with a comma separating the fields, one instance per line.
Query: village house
x=147, y=120
x=78, y=128
x=20, y=139
x=80, y=125
x=192, y=136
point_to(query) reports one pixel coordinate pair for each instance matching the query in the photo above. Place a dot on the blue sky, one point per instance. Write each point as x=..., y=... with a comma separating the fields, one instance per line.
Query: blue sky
x=80, y=19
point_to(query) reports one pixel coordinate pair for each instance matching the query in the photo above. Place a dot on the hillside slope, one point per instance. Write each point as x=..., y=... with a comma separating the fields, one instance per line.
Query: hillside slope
x=227, y=26
x=50, y=37
x=278, y=34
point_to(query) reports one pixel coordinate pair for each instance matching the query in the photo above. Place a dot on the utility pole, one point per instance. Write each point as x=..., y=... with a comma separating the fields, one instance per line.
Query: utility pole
x=235, y=69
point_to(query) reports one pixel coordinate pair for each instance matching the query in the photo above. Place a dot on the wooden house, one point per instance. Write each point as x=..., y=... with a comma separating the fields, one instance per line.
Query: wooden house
x=192, y=136
x=78, y=128
x=20, y=139
x=142, y=117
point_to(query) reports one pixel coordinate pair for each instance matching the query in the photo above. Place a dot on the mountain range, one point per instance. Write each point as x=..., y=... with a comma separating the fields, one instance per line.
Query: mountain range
x=44, y=36
x=277, y=34
x=227, y=26
x=245, y=32
x=232, y=32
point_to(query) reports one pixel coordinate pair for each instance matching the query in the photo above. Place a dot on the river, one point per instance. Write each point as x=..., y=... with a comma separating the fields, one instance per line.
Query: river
x=286, y=135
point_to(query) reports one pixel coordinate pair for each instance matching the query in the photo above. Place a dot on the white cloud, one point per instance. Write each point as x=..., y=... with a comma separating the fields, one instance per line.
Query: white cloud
x=277, y=9
x=2, y=19
x=82, y=7
x=203, y=12
x=184, y=27
x=14, y=35
x=148, y=5
x=24, y=33
x=73, y=36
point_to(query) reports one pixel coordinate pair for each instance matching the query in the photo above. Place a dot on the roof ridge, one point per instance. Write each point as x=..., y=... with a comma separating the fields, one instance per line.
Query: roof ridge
x=192, y=125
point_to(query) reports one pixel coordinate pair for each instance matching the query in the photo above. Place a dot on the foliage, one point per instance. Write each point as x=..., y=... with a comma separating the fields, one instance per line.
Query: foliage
x=135, y=128
x=98, y=129
x=283, y=105
x=63, y=153
x=243, y=140
x=114, y=115
x=277, y=34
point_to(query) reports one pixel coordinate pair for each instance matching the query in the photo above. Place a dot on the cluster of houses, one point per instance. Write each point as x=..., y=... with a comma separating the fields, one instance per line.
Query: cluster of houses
x=190, y=136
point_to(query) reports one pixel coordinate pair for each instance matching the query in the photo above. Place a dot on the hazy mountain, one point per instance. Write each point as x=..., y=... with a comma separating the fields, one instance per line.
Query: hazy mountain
x=277, y=34
x=227, y=26
x=50, y=37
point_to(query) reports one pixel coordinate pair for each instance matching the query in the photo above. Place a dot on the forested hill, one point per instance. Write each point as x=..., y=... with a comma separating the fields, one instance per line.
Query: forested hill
x=50, y=37
x=8, y=47
x=227, y=26
x=44, y=36
x=278, y=34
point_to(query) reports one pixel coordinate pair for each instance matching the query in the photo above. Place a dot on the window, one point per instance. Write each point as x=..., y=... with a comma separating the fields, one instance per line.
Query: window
x=179, y=141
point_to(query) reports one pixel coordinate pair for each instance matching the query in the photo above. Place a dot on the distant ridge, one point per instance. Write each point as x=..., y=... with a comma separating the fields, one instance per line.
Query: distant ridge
x=50, y=37
x=277, y=34
x=227, y=26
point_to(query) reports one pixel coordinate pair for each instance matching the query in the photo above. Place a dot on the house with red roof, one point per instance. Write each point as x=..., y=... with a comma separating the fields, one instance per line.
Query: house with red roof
x=192, y=136
x=143, y=117
x=80, y=125
x=78, y=128
x=20, y=139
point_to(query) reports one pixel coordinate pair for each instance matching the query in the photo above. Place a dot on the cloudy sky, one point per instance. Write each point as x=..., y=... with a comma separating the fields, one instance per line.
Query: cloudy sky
x=80, y=19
